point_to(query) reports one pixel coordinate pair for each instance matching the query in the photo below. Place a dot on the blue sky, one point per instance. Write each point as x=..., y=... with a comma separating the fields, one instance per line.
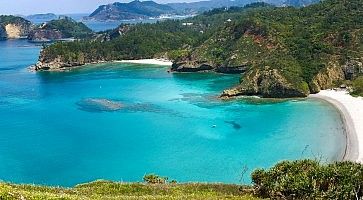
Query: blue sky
x=25, y=7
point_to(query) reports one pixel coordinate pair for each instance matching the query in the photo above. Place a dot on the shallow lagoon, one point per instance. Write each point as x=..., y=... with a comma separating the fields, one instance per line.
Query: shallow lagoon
x=56, y=128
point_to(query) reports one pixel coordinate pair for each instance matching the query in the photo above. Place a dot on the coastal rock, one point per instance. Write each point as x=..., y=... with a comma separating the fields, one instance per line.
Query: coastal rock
x=198, y=66
x=327, y=78
x=56, y=64
x=41, y=35
x=266, y=82
x=191, y=66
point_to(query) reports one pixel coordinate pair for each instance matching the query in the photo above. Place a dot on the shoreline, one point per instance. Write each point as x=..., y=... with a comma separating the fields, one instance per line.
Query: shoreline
x=162, y=62
x=351, y=112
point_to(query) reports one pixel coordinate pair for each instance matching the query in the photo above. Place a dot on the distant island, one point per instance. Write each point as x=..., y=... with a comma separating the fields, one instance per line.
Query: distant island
x=40, y=18
x=150, y=9
x=283, y=52
x=133, y=10
x=12, y=27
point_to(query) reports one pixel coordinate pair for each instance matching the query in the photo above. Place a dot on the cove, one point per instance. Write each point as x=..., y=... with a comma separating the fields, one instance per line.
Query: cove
x=122, y=121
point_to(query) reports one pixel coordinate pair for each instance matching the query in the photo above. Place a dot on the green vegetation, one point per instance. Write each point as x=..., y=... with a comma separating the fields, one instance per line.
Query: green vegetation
x=7, y=19
x=358, y=86
x=302, y=179
x=69, y=28
x=113, y=190
x=308, y=179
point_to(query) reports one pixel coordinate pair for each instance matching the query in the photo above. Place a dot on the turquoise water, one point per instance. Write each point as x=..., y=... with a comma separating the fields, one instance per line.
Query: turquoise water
x=122, y=121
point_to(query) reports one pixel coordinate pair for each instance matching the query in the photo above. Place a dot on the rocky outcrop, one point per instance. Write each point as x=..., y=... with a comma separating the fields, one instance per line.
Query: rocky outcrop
x=191, y=66
x=44, y=35
x=56, y=64
x=327, y=78
x=269, y=83
x=17, y=30
x=352, y=69
x=200, y=66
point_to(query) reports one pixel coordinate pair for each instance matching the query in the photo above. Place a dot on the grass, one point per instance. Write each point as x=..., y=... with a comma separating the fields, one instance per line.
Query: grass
x=114, y=190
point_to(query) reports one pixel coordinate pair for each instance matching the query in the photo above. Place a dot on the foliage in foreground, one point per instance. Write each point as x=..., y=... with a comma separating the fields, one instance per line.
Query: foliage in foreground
x=303, y=179
x=307, y=179
x=112, y=190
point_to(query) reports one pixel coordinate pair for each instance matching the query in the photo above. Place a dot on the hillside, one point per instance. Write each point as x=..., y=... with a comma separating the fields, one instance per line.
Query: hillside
x=286, y=52
x=133, y=10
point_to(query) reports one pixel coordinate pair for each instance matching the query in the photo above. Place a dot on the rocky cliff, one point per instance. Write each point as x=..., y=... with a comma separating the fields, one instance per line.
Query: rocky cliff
x=44, y=35
x=327, y=78
x=267, y=82
x=12, y=27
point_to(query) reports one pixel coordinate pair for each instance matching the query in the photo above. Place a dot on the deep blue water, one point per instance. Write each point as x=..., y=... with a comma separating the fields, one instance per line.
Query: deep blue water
x=122, y=121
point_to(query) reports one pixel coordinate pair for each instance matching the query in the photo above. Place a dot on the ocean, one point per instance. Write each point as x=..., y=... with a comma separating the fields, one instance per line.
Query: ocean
x=121, y=121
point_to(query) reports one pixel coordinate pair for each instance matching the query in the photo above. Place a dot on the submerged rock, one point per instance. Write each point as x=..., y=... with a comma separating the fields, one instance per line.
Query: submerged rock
x=234, y=124
x=99, y=105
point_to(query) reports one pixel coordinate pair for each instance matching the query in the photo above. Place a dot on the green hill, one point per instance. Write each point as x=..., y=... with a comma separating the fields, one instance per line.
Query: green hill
x=68, y=27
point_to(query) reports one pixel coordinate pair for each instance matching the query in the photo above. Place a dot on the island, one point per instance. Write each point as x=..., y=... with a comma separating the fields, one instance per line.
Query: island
x=63, y=28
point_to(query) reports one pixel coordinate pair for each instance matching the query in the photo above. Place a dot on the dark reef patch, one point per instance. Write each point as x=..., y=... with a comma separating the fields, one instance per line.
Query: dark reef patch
x=99, y=105
x=234, y=124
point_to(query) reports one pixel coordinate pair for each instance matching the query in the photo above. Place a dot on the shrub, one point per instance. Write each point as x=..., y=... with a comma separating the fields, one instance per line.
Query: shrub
x=358, y=86
x=307, y=179
x=155, y=179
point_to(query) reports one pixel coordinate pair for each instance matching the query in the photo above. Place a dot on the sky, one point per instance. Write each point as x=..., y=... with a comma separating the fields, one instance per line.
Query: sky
x=26, y=7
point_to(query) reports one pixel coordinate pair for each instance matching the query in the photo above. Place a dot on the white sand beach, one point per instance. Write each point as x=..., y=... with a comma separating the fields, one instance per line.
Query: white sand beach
x=148, y=61
x=351, y=109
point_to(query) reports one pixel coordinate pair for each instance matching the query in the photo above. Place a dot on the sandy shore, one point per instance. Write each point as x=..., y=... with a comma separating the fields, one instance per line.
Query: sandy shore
x=148, y=61
x=351, y=109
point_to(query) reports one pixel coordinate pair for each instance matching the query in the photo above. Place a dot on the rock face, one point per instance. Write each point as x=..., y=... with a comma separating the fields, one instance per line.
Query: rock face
x=268, y=83
x=41, y=35
x=352, y=68
x=15, y=31
x=56, y=64
x=327, y=78
x=199, y=66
